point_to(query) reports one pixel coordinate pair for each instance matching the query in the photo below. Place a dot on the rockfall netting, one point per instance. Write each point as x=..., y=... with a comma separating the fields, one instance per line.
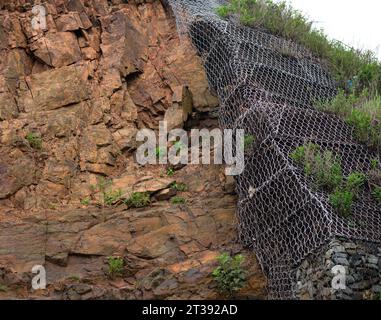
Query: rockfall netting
x=267, y=86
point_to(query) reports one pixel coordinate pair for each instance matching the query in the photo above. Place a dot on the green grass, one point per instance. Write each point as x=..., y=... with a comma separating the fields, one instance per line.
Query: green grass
x=178, y=186
x=160, y=152
x=342, y=202
x=321, y=166
x=355, y=181
x=85, y=201
x=138, y=200
x=34, y=140
x=177, y=200
x=111, y=197
x=170, y=172
x=362, y=112
x=327, y=175
x=115, y=266
x=3, y=288
x=377, y=193
x=353, y=69
x=229, y=275
x=248, y=141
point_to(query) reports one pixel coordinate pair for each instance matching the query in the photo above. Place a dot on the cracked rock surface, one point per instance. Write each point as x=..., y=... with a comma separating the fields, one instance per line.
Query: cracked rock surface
x=72, y=98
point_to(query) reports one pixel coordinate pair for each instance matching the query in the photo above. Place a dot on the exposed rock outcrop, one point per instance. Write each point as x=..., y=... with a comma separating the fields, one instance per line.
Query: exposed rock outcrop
x=72, y=97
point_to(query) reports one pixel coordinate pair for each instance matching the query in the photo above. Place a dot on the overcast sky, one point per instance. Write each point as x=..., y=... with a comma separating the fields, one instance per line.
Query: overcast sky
x=356, y=23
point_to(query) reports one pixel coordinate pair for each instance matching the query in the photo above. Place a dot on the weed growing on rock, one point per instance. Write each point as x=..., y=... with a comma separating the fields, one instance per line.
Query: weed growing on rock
x=138, y=200
x=229, y=274
x=34, y=140
x=85, y=201
x=181, y=187
x=177, y=200
x=3, y=288
x=111, y=197
x=115, y=266
x=170, y=172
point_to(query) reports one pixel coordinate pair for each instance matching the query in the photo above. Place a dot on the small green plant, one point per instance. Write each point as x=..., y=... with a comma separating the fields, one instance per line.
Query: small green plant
x=111, y=197
x=138, y=200
x=229, y=274
x=74, y=277
x=374, y=164
x=179, y=145
x=3, y=288
x=177, y=200
x=34, y=140
x=115, y=266
x=355, y=181
x=322, y=166
x=170, y=172
x=223, y=11
x=377, y=193
x=248, y=141
x=85, y=201
x=179, y=186
x=160, y=152
x=342, y=202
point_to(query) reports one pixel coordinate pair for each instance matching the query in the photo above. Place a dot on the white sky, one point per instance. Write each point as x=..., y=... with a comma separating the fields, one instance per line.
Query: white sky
x=356, y=23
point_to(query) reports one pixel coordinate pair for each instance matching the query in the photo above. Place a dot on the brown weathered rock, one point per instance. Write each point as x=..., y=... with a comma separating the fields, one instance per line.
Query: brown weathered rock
x=54, y=89
x=69, y=22
x=165, y=194
x=16, y=174
x=151, y=184
x=57, y=49
x=22, y=245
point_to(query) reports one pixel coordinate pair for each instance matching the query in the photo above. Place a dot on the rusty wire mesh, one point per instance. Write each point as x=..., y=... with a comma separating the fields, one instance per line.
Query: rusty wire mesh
x=267, y=86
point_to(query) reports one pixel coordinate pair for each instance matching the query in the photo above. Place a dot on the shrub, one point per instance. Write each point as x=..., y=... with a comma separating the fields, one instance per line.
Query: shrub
x=363, y=113
x=377, y=193
x=115, y=266
x=170, y=172
x=34, y=140
x=138, y=200
x=178, y=186
x=177, y=200
x=85, y=201
x=111, y=197
x=248, y=141
x=342, y=201
x=229, y=275
x=322, y=166
x=374, y=163
x=355, y=181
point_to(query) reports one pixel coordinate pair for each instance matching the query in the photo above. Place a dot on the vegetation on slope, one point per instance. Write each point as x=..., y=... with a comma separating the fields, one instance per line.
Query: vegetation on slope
x=353, y=69
x=357, y=72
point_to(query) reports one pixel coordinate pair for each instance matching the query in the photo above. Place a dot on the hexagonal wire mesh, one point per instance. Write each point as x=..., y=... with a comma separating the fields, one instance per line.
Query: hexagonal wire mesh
x=267, y=86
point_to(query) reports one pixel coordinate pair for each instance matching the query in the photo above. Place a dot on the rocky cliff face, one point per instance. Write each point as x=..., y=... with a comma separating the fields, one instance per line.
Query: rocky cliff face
x=72, y=96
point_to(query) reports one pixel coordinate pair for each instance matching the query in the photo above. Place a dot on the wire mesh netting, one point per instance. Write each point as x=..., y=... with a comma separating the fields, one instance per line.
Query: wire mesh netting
x=267, y=86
